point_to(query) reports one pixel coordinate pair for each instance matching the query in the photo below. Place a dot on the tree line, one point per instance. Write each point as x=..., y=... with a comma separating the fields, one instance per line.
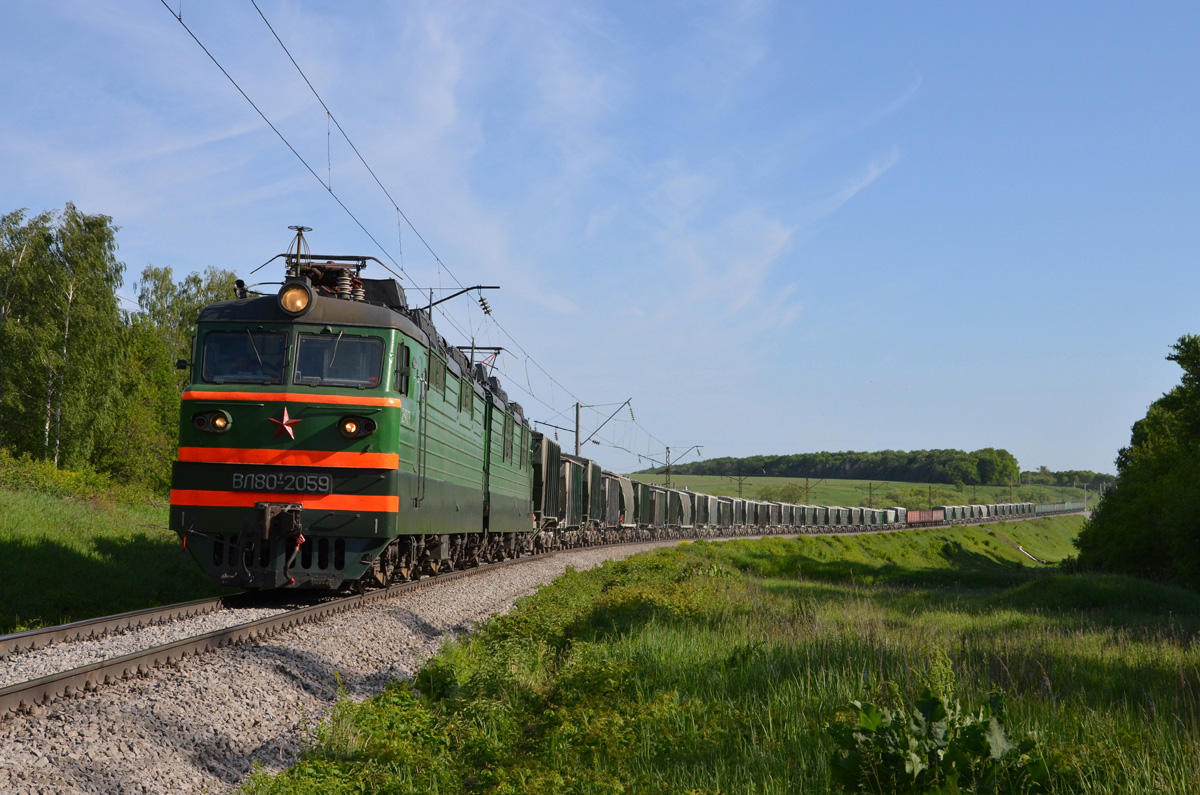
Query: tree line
x=988, y=466
x=85, y=382
x=1077, y=478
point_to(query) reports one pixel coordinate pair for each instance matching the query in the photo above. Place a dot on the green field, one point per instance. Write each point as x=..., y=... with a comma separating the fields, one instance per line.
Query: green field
x=858, y=492
x=721, y=667
x=69, y=558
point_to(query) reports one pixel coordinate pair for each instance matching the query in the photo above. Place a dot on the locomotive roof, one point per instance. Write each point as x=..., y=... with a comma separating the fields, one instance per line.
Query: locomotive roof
x=324, y=311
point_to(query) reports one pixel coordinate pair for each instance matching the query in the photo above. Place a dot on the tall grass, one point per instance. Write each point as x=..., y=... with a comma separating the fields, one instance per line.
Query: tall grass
x=76, y=544
x=715, y=667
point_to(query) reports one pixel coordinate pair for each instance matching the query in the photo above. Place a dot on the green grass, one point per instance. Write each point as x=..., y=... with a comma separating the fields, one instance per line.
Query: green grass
x=65, y=558
x=859, y=492
x=715, y=667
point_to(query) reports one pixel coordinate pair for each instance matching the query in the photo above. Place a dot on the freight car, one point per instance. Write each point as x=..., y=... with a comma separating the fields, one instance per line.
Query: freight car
x=330, y=437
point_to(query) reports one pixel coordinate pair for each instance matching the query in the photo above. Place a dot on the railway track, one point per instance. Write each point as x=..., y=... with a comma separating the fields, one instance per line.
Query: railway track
x=28, y=697
x=95, y=628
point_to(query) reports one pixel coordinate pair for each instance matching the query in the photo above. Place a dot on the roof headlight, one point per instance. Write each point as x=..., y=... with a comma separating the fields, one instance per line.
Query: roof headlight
x=295, y=298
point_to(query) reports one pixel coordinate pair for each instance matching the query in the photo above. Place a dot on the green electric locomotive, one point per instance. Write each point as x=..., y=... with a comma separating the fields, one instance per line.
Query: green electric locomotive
x=330, y=437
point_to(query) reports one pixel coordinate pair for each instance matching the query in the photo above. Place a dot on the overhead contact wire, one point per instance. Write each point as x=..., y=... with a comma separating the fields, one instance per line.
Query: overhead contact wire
x=330, y=116
x=286, y=143
x=361, y=159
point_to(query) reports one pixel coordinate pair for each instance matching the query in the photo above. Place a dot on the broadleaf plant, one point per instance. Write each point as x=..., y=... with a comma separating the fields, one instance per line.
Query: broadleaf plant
x=936, y=747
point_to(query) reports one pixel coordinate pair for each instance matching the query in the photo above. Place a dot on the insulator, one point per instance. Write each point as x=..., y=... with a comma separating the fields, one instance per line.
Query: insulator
x=360, y=294
x=483, y=304
x=343, y=285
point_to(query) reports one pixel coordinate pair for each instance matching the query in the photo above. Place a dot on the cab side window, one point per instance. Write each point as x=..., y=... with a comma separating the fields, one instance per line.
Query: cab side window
x=403, y=368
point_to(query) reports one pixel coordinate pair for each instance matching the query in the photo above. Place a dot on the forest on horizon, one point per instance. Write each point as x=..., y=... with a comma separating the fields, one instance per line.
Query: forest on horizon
x=985, y=467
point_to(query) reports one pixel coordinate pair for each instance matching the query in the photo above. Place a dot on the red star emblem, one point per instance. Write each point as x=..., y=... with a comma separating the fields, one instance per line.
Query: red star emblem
x=284, y=424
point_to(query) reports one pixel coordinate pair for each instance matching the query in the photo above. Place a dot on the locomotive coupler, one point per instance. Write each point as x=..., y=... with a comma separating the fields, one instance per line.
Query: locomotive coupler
x=279, y=518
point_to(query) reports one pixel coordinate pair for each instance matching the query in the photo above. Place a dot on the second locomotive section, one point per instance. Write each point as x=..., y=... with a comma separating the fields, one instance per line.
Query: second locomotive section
x=326, y=440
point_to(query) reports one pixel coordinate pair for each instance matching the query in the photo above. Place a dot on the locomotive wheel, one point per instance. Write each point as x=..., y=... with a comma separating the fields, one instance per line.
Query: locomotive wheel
x=386, y=564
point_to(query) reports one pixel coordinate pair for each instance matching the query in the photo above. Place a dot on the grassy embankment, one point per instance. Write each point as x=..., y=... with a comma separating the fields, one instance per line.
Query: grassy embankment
x=714, y=667
x=830, y=491
x=75, y=545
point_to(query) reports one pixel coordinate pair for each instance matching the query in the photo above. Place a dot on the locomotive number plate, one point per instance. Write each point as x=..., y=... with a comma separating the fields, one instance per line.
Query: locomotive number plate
x=295, y=482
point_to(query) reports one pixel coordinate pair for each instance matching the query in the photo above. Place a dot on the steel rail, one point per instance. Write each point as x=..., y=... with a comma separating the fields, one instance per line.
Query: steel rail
x=26, y=697
x=98, y=627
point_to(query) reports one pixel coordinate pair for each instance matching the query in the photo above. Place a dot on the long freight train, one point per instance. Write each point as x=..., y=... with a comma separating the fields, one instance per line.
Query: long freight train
x=330, y=437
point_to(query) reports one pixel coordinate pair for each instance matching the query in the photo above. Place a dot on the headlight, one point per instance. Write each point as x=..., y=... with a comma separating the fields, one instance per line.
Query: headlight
x=213, y=421
x=295, y=298
x=356, y=427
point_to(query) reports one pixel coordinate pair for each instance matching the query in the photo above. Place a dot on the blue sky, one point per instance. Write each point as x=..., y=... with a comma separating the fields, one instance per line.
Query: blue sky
x=778, y=227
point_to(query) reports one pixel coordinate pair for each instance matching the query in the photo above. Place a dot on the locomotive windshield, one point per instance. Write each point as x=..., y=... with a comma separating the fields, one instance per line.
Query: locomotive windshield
x=339, y=360
x=244, y=357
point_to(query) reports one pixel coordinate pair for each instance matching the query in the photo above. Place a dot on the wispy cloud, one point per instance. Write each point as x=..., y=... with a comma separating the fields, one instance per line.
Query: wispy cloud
x=875, y=169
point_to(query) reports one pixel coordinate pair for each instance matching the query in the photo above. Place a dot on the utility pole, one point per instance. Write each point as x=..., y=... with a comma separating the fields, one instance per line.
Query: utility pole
x=579, y=406
x=870, y=492
x=739, y=478
x=808, y=489
x=695, y=447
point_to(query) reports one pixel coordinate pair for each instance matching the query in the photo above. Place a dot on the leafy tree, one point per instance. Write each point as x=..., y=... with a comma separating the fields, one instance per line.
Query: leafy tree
x=1148, y=524
x=168, y=309
x=61, y=320
x=83, y=384
x=143, y=442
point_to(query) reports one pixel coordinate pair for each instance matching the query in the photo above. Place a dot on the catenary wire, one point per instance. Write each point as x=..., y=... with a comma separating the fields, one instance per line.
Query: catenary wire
x=287, y=143
x=362, y=159
x=393, y=202
x=442, y=265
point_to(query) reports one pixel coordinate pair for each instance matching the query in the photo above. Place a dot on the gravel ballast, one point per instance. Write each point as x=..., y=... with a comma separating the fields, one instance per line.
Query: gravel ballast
x=201, y=728
x=25, y=666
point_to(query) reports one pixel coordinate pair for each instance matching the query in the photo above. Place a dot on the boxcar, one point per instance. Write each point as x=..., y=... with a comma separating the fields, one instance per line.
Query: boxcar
x=917, y=518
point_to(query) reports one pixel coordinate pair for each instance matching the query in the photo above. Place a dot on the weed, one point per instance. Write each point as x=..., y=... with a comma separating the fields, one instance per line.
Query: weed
x=935, y=747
